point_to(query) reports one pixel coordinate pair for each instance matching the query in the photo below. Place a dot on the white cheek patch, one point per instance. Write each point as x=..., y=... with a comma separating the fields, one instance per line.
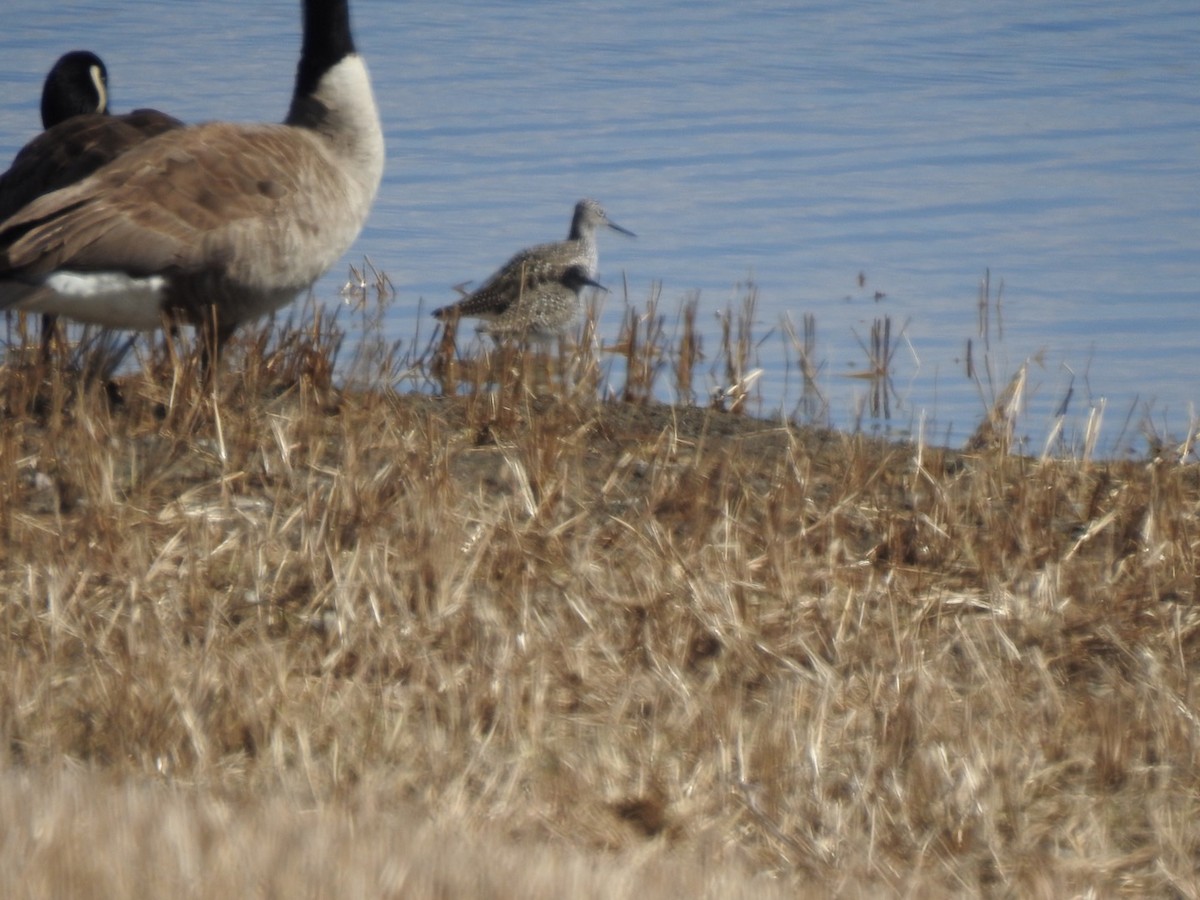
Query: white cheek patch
x=112, y=299
x=101, y=89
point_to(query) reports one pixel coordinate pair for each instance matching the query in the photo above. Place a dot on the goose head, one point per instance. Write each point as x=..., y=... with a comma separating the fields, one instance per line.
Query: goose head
x=77, y=84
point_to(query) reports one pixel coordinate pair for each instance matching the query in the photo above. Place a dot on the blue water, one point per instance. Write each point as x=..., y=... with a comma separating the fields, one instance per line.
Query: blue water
x=920, y=144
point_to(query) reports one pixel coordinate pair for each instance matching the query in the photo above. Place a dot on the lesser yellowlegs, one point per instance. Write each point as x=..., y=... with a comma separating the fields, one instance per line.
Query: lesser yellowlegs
x=537, y=291
x=544, y=311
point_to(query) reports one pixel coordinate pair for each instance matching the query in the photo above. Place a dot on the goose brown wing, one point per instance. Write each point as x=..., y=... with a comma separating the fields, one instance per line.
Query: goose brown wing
x=73, y=150
x=190, y=199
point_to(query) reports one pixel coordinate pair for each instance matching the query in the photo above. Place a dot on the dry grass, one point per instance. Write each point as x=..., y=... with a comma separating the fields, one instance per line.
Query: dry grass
x=297, y=640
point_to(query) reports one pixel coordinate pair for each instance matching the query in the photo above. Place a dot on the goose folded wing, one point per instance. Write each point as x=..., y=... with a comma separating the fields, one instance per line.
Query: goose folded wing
x=189, y=200
x=73, y=150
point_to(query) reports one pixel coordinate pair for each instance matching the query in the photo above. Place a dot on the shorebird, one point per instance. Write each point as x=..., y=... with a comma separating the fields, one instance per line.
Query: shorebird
x=216, y=224
x=79, y=137
x=543, y=312
x=539, y=287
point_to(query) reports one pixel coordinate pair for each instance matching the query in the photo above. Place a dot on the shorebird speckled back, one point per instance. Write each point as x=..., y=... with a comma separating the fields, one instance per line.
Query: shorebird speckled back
x=545, y=311
x=541, y=276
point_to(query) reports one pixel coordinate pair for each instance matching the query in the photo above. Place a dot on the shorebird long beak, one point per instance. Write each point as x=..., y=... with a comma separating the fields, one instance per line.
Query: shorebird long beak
x=593, y=283
x=615, y=227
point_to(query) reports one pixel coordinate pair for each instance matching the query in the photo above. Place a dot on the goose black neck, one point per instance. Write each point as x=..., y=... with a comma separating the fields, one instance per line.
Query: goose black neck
x=327, y=41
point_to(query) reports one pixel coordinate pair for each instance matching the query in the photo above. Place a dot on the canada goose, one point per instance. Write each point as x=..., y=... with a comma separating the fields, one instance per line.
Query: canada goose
x=217, y=223
x=80, y=137
x=525, y=275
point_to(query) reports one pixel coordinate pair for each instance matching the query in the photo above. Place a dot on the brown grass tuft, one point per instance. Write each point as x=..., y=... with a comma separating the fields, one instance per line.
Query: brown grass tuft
x=314, y=635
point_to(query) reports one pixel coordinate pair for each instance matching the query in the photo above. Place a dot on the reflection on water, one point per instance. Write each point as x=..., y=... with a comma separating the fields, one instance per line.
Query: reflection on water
x=859, y=163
